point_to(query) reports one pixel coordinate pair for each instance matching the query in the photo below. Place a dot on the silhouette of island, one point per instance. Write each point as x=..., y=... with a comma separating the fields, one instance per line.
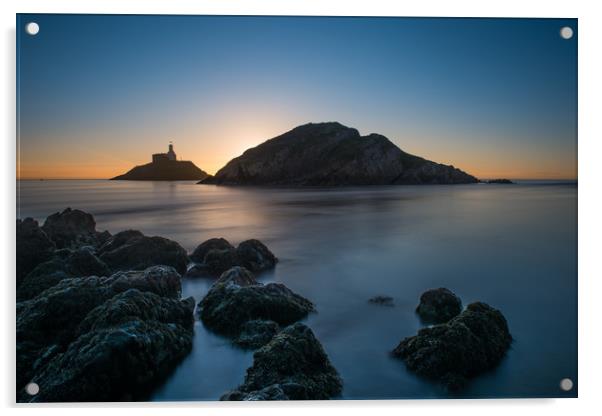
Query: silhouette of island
x=330, y=154
x=164, y=167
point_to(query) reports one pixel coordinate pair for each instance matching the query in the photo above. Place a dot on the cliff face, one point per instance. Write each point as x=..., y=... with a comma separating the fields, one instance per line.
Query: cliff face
x=168, y=170
x=330, y=154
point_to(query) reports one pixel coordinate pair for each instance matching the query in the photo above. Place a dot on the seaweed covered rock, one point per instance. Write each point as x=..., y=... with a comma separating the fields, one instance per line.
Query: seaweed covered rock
x=47, y=323
x=33, y=247
x=217, y=255
x=438, y=306
x=132, y=250
x=236, y=298
x=65, y=264
x=202, y=249
x=292, y=366
x=133, y=339
x=469, y=344
x=256, y=333
x=73, y=228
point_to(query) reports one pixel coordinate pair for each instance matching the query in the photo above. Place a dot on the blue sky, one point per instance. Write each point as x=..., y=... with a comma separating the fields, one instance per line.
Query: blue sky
x=98, y=94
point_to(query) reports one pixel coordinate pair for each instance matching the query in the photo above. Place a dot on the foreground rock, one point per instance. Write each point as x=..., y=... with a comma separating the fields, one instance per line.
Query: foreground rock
x=47, y=324
x=132, y=250
x=255, y=334
x=237, y=298
x=63, y=265
x=217, y=255
x=292, y=366
x=33, y=247
x=468, y=345
x=120, y=350
x=438, y=306
x=331, y=154
x=73, y=228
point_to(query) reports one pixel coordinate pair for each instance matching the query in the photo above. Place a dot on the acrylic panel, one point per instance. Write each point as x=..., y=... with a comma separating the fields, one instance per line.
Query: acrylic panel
x=295, y=208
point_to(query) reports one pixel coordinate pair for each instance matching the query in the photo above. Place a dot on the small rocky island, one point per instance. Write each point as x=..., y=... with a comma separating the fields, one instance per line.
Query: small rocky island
x=92, y=307
x=164, y=167
x=330, y=154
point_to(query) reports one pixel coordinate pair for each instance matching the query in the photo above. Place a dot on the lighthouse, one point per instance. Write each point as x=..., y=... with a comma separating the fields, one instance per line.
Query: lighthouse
x=171, y=155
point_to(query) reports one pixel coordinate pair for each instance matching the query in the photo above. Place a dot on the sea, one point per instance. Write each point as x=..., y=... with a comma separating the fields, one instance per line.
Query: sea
x=511, y=246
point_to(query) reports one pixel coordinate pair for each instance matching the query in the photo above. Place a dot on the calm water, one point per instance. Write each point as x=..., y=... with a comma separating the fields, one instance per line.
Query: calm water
x=513, y=247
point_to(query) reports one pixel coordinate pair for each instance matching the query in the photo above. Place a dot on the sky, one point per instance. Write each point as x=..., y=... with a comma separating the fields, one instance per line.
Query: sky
x=98, y=94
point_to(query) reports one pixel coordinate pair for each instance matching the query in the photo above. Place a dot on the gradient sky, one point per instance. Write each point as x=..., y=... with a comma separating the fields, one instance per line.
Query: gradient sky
x=99, y=94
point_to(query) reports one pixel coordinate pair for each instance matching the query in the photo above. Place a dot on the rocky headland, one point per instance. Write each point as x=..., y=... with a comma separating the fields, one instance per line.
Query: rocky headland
x=330, y=154
x=166, y=170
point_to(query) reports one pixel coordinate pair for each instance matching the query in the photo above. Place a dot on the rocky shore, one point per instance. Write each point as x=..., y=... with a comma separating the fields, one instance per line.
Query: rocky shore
x=100, y=316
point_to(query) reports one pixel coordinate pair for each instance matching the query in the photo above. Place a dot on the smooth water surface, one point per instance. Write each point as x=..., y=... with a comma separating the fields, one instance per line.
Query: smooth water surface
x=512, y=246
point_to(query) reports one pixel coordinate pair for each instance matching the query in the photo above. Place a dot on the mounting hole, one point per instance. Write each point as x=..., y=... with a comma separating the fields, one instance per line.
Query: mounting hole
x=32, y=28
x=566, y=32
x=32, y=389
x=566, y=384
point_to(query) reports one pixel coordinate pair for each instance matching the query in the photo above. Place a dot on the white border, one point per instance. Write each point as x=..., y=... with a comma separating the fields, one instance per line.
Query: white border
x=590, y=135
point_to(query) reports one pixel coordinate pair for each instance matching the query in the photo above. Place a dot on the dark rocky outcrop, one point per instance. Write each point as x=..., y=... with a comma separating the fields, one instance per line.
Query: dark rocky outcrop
x=330, y=154
x=256, y=333
x=48, y=323
x=501, y=181
x=65, y=264
x=438, y=305
x=131, y=250
x=292, y=366
x=382, y=300
x=468, y=345
x=121, y=349
x=165, y=170
x=236, y=298
x=73, y=228
x=217, y=255
x=33, y=247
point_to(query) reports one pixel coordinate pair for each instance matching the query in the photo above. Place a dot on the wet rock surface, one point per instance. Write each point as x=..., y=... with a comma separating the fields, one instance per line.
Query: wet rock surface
x=255, y=334
x=292, y=366
x=48, y=324
x=132, y=250
x=33, y=247
x=438, y=305
x=471, y=343
x=236, y=298
x=217, y=255
x=73, y=228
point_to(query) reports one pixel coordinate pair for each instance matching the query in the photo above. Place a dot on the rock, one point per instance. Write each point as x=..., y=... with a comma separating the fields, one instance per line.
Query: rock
x=166, y=170
x=49, y=320
x=72, y=228
x=65, y=264
x=202, y=249
x=255, y=256
x=197, y=270
x=293, y=365
x=438, y=306
x=382, y=300
x=33, y=247
x=218, y=261
x=133, y=339
x=236, y=298
x=255, y=334
x=501, y=181
x=131, y=250
x=471, y=343
x=330, y=154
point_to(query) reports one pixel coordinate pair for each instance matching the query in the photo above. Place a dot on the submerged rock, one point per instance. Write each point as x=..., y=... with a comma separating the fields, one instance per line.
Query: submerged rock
x=382, y=300
x=65, y=264
x=501, y=181
x=48, y=322
x=438, y=306
x=131, y=340
x=236, y=298
x=217, y=255
x=468, y=345
x=33, y=247
x=256, y=333
x=132, y=250
x=292, y=366
x=73, y=228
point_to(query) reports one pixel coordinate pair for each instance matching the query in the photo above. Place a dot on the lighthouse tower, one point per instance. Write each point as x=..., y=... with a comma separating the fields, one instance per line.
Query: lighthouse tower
x=171, y=155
